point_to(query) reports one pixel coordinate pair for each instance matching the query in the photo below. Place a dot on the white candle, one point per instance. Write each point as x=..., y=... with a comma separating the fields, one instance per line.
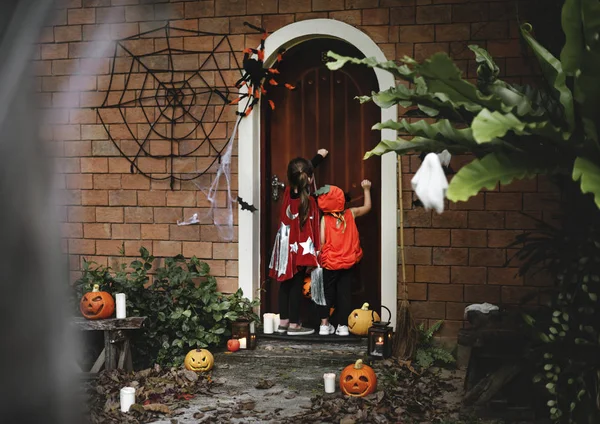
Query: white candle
x=268, y=323
x=252, y=327
x=121, y=308
x=329, y=380
x=243, y=343
x=127, y=398
x=276, y=321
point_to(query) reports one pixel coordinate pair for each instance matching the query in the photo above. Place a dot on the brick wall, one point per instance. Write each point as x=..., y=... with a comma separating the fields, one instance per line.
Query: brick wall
x=453, y=259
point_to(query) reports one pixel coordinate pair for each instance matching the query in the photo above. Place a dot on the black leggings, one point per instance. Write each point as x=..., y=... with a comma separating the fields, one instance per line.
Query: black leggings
x=290, y=297
x=337, y=286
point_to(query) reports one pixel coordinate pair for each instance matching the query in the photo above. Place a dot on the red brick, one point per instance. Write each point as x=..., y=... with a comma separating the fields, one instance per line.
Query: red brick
x=225, y=250
x=55, y=51
x=469, y=238
x=167, y=248
x=450, y=256
x=155, y=231
x=125, y=231
x=120, y=31
x=487, y=257
x=417, y=218
x=434, y=14
x=449, y=330
x=416, y=291
x=81, y=214
x=94, y=165
x=468, y=275
x=318, y=5
x=110, y=15
x=503, y=201
x=109, y=247
x=404, y=49
x=504, y=276
x=502, y=238
x=167, y=215
x=122, y=198
x=452, y=32
x=227, y=285
x=81, y=16
x=518, y=220
x=152, y=198
x=450, y=219
x=352, y=17
x=515, y=295
x=482, y=293
x=486, y=219
x=361, y=4
x=82, y=246
x=471, y=12
x=375, y=16
x=541, y=202
x=474, y=203
x=403, y=15
x=94, y=197
x=141, y=215
x=489, y=30
x=230, y=8
x=424, y=51
x=169, y=11
x=71, y=230
x=135, y=182
x=199, y=9
x=455, y=311
x=445, y=292
x=186, y=232
x=433, y=310
x=96, y=231
x=109, y=214
x=200, y=250
x=293, y=6
x=273, y=22
x=418, y=255
x=258, y=7
x=67, y=33
x=430, y=237
x=416, y=33
x=432, y=274
x=217, y=268
x=139, y=13
x=107, y=181
x=504, y=48
x=181, y=198
x=232, y=269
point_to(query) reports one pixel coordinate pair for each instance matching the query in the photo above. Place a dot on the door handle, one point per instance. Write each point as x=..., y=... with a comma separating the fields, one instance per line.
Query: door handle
x=276, y=185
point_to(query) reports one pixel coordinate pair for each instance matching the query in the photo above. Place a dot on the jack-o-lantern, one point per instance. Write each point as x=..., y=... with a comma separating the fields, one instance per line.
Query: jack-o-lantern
x=360, y=320
x=358, y=380
x=199, y=360
x=97, y=304
x=306, y=287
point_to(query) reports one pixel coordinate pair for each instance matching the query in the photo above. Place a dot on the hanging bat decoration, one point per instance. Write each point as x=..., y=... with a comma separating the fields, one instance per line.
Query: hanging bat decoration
x=255, y=76
x=245, y=205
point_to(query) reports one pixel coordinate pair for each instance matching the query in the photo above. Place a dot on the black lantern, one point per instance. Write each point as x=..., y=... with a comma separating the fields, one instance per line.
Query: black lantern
x=380, y=337
x=245, y=333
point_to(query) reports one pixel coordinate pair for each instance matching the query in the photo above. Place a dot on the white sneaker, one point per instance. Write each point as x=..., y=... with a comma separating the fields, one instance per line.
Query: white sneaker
x=342, y=330
x=325, y=330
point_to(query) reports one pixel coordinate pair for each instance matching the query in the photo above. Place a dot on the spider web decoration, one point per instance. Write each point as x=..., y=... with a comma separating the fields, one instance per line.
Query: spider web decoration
x=167, y=102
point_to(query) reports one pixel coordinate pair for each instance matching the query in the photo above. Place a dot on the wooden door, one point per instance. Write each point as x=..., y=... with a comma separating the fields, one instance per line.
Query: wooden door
x=322, y=112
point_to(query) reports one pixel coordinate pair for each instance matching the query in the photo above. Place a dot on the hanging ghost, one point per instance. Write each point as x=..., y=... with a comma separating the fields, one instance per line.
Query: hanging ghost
x=430, y=184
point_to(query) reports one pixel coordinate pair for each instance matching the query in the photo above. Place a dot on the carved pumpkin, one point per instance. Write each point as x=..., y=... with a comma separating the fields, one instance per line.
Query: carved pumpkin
x=358, y=380
x=306, y=287
x=97, y=304
x=199, y=360
x=360, y=320
x=233, y=345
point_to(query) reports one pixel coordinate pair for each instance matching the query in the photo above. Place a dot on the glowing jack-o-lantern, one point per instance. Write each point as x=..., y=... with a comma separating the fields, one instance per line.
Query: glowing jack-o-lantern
x=358, y=380
x=306, y=287
x=199, y=360
x=360, y=320
x=97, y=304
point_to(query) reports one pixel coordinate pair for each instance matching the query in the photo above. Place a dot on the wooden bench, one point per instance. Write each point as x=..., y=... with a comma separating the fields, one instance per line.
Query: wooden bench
x=117, y=346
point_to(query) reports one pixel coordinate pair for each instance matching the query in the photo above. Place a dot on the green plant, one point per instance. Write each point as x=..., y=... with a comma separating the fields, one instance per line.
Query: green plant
x=428, y=351
x=184, y=310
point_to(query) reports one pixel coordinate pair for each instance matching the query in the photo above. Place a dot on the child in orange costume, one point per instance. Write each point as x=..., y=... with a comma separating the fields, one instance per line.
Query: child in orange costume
x=340, y=252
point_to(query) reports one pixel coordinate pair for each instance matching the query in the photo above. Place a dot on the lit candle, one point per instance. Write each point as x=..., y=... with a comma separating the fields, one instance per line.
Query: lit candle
x=268, y=323
x=252, y=344
x=379, y=341
x=127, y=396
x=121, y=308
x=243, y=343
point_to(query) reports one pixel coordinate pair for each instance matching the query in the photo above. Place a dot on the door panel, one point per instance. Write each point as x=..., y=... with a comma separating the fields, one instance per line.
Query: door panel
x=322, y=112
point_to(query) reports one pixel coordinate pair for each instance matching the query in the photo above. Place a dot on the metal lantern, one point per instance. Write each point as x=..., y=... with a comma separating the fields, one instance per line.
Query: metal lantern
x=244, y=331
x=380, y=337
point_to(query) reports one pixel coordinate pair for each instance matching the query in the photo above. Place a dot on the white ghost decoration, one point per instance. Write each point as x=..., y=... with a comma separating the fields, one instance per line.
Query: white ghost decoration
x=430, y=183
x=445, y=157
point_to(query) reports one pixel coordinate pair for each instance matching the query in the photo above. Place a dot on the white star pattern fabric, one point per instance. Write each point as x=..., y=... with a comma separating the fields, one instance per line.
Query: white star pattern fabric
x=430, y=183
x=289, y=213
x=308, y=247
x=294, y=247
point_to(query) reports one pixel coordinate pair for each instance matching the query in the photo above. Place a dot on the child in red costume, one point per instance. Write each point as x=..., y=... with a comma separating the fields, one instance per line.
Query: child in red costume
x=297, y=243
x=340, y=252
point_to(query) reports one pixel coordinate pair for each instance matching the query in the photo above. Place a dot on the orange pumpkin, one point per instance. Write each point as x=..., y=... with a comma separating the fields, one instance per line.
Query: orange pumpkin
x=306, y=287
x=358, y=380
x=97, y=304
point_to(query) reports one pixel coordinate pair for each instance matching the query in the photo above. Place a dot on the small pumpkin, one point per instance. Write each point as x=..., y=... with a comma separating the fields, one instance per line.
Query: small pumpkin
x=360, y=320
x=358, y=380
x=199, y=360
x=233, y=345
x=97, y=304
x=306, y=287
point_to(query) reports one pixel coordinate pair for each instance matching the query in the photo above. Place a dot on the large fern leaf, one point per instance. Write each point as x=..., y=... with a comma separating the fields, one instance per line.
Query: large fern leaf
x=589, y=174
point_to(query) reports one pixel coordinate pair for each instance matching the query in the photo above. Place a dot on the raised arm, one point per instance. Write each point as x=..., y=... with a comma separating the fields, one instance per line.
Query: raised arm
x=366, y=207
x=321, y=154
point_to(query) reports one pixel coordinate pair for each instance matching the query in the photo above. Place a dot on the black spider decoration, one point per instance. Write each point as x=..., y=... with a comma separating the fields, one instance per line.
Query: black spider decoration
x=255, y=75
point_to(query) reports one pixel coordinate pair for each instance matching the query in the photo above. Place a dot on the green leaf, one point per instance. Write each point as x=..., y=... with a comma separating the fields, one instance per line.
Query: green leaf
x=570, y=56
x=482, y=173
x=488, y=126
x=442, y=130
x=589, y=174
x=553, y=72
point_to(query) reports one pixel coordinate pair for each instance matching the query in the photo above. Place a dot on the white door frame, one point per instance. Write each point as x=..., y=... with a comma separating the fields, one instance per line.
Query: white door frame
x=250, y=179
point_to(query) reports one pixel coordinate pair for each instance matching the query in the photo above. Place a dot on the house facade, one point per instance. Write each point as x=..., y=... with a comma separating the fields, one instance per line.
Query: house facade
x=109, y=212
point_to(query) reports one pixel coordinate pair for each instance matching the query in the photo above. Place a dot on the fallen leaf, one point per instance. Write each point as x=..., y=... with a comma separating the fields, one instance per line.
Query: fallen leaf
x=157, y=407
